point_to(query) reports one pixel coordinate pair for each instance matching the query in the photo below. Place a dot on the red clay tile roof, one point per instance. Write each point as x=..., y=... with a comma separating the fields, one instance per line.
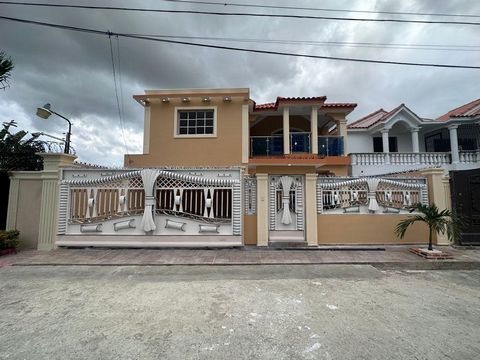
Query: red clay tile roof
x=367, y=120
x=373, y=118
x=274, y=106
x=339, y=105
x=470, y=109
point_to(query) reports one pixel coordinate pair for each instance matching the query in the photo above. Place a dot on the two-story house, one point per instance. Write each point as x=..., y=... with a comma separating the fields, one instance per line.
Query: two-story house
x=400, y=140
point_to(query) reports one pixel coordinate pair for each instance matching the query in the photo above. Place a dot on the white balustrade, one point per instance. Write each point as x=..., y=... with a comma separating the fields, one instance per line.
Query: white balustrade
x=468, y=157
x=410, y=158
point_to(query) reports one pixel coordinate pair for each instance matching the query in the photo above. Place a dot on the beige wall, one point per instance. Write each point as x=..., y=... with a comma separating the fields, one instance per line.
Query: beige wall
x=337, y=170
x=250, y=230
x=165, y=150
x=366, y=229
x=28, y=212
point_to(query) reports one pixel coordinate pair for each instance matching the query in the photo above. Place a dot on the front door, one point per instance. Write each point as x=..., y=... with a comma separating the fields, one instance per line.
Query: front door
x=286, y=203
x=465, y=187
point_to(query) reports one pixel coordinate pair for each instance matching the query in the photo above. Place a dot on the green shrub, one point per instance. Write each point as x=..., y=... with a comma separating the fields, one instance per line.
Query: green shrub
x=9, y=239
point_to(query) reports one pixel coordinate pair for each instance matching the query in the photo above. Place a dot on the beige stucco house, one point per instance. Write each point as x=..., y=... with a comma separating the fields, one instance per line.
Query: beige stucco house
x=218, y=169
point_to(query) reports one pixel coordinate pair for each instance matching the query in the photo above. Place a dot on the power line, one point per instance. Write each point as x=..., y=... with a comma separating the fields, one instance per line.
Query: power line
x=215, y=13
x=225, y=4
x=325, y=43
x=308, y=56
x=116, y=91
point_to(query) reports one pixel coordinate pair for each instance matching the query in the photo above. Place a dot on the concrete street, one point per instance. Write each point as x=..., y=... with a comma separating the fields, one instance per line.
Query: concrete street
x=238, y=312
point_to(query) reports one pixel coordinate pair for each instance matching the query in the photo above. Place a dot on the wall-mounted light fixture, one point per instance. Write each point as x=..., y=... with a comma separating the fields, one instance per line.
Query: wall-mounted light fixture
x=165, y=100
x=206, y=99
x=186, y=99
x=227, y=99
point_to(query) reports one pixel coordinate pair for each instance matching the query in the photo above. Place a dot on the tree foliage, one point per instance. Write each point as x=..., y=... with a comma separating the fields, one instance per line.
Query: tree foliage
x=438, y=222
x=16, y=153
x=6, y=67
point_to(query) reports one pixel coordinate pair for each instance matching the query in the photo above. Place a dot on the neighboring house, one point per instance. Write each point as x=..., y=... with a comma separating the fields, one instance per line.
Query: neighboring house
x=400, y=140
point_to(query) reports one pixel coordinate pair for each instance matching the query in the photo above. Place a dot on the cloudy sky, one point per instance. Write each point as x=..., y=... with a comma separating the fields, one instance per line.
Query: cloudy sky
x=73, y=71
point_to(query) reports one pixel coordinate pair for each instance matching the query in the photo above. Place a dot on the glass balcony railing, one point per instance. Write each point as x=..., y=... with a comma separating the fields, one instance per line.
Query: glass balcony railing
x=330, y=145
x=266, y=145
x=300, y=142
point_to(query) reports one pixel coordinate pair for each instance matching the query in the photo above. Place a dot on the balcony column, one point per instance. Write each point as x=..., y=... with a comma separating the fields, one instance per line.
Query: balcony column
x=314, y=129
x=415, y=146
x=454, y=144
x=386, y=146
x=286, y=130
x=342, y=130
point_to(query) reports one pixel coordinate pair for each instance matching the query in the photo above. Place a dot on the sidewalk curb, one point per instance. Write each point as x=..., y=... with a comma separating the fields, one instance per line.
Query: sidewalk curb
x=433, y=265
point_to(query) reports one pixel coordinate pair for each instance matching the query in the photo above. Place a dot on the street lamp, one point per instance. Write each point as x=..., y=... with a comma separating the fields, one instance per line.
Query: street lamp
x=45, y=111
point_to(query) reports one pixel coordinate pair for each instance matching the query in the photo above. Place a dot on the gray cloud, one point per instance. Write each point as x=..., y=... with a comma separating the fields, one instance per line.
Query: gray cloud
x=73, y=70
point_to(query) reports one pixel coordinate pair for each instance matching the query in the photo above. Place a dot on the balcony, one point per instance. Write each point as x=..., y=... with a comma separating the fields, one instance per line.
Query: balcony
x=380, y=163
x=269, y=150
x=330, y=145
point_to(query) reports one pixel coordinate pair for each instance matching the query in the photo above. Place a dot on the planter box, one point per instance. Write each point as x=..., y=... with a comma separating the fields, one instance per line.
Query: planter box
x=8, y=251
x=433, y=255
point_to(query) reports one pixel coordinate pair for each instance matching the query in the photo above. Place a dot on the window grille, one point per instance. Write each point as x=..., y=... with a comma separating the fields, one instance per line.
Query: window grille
x=195, y=122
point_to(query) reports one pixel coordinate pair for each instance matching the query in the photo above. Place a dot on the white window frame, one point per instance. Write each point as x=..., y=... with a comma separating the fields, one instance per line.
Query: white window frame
x=194, y=108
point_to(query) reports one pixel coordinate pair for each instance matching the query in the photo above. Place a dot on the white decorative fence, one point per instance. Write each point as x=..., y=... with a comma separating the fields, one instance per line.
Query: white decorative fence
x=160, y=202
x=369, y=194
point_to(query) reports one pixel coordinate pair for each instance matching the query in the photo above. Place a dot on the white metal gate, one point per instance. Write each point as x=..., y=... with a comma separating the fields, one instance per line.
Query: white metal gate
x=286, y=200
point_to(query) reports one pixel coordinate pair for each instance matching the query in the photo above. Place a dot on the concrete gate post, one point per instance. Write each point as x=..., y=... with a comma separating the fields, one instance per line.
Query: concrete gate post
x=52, y=165
x=311, y=209
x=439, y=194
x=262, y=209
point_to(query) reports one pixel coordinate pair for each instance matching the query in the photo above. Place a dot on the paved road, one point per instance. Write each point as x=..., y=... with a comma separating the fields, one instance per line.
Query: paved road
x=238, y=312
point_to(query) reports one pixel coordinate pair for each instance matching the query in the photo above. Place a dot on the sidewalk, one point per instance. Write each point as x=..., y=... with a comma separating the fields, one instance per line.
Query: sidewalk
x=389, y=257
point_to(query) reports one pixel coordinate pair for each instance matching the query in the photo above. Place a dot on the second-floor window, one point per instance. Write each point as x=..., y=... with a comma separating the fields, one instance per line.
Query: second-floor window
x=196, y=122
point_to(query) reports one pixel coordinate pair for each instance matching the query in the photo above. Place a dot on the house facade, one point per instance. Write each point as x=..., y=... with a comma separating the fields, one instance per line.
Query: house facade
x=218, y=169
x=400, y=140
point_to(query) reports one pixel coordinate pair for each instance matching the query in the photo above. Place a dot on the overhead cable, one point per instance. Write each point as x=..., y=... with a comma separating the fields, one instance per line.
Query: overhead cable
x=230, y=14
x=257, y=51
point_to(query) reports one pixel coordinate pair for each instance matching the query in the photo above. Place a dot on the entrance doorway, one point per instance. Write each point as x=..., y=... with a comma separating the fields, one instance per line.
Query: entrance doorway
x=465, y=186
x=286, y=208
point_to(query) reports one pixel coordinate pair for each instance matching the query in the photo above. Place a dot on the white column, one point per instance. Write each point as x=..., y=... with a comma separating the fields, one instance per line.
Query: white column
x=454, y=144
x=386, y=147
x=262, y=209
x=314, y=129
x=286, y=130
x=415, y=146
x=245, y=134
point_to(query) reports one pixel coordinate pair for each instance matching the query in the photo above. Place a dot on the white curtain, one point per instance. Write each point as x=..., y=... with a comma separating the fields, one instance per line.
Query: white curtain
x=149, y=176
x=286, y=182
x=372, y=194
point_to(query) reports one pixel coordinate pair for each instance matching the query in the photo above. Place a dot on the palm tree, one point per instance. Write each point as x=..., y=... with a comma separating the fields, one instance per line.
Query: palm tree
x=437, y=221
x=6, y=67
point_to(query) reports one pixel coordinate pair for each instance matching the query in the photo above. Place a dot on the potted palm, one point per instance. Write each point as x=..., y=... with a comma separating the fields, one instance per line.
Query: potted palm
x=438, y=222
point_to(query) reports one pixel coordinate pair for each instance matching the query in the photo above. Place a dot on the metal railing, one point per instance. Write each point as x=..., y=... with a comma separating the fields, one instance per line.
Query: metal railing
x=300, y=142
x=330, y=145
x=266, y=145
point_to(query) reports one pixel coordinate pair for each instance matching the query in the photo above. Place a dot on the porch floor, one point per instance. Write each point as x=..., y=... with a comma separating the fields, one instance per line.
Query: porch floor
x=380, y=257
